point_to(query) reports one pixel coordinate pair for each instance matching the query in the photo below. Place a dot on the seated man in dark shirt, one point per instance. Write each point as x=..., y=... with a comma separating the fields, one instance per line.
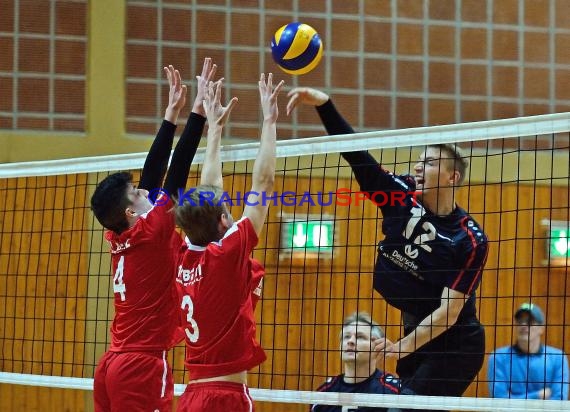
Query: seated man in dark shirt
x=359, y=336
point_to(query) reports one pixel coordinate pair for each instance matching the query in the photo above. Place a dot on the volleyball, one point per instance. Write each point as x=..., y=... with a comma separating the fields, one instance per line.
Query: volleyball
x=296, y=48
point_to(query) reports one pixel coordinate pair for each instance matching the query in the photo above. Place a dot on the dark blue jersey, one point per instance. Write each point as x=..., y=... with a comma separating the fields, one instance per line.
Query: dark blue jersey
x=421, y=253
x=378, y=382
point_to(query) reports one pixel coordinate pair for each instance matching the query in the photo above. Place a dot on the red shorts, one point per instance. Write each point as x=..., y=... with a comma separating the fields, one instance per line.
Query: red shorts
x=215, y=397
x=133, y=381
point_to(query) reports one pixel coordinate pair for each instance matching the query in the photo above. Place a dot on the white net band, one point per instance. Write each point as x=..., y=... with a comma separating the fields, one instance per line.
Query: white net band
x=329, y=398
x=389, y=139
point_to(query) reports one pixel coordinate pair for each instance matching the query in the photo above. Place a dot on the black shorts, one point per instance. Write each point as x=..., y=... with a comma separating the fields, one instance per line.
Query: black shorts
x=445, y=366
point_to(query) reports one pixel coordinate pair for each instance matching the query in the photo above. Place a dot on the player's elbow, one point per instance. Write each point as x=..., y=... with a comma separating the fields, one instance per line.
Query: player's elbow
x=453, y=315
x=452, y=304
x=445, y=316
x=265, y=181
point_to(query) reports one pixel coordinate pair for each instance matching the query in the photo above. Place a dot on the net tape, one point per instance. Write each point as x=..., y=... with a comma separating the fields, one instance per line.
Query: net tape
x=388, y=139
x=329, y=398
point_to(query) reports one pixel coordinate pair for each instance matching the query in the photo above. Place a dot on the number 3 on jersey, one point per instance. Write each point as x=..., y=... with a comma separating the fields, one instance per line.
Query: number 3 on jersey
x=187, y=303
x=118, y=285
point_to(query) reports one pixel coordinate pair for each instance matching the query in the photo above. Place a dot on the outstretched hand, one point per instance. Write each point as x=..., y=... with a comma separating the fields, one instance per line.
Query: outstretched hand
x=208, y=72
x=176, y=94
x=268, y=95
x=305, y=95
x=215, y=112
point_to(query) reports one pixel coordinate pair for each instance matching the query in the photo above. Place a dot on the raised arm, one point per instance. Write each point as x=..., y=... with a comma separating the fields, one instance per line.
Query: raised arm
x=331, y=118
x=217, y=116
x=263, y=174
x=370, y=176
x=156, y=161
x=190, y=138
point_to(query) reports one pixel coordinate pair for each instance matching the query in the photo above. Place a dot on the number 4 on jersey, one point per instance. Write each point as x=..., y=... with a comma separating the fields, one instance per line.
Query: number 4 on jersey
x=118, y=285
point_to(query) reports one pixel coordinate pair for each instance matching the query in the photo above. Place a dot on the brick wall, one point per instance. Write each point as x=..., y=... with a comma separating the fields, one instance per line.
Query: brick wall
x=387, y=63
x=43, y=50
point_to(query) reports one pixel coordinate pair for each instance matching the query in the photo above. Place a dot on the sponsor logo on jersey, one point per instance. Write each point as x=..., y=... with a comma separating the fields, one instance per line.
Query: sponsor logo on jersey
x=401, y=261
x=119, y=247
x=411, y=252
x=189, y=276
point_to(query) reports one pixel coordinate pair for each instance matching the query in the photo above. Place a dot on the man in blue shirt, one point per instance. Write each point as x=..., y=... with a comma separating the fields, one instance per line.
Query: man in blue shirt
x=529, y=369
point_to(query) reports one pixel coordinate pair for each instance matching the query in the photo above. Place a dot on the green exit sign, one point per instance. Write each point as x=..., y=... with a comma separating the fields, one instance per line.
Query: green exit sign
x=559, y=241
x=307, y=235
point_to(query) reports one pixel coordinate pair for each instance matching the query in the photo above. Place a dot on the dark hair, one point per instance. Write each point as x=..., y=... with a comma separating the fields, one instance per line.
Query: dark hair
x=110, y=200
x=455, y=157
x=199, y=214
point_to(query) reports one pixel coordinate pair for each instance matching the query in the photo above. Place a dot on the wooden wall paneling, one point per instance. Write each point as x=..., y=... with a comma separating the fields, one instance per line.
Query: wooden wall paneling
x=303, y=303
x=45, y=272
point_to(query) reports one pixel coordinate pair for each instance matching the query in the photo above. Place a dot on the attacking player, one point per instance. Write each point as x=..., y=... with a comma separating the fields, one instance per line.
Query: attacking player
x=218, y=284
x=134, y=375
x=429, y=264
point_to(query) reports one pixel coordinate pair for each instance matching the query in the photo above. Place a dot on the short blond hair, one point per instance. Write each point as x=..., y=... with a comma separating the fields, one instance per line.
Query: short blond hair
x=199, y=213
x=455, y=158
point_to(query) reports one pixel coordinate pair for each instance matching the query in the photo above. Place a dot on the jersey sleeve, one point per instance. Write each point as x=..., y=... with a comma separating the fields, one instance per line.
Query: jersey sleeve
x=368, y=173
x=184, y=154
x=373, y=178
x=391, y=383
x=159, y=222
x=471, y=258
x=156, y=160
x=236, y=247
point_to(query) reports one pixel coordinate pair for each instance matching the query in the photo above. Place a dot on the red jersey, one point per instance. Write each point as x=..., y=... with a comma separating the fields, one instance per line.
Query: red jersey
x=219, y=286
x=144, y=264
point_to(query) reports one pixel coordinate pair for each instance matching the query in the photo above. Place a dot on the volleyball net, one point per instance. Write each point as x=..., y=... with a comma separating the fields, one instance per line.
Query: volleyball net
x=319, y=246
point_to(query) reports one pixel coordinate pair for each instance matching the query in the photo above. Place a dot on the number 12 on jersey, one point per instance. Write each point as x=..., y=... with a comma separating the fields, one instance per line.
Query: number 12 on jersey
x=421, y=239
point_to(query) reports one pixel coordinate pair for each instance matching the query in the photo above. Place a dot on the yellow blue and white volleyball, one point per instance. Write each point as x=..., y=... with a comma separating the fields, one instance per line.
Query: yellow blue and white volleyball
x=296, y=48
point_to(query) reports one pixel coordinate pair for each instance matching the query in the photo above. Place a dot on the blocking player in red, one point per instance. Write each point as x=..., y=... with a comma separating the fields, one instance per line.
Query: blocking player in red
x=218, y=285
x=134, y=375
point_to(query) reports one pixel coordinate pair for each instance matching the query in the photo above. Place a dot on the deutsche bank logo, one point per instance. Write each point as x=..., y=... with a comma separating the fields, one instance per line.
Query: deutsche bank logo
x=412, y=253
